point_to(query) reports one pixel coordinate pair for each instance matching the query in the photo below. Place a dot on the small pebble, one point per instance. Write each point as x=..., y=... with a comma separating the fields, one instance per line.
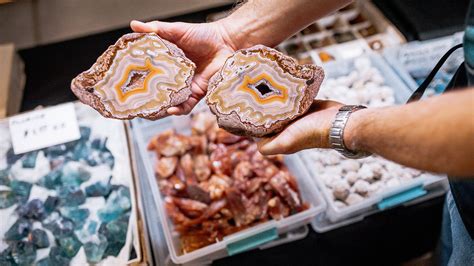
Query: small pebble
x=352, y=177
x=361, y=187
x=339, y=204
x=341, y=190
x=353, y=198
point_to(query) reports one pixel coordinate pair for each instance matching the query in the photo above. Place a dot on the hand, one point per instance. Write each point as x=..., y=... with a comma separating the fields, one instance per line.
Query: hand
x=208, y=45
x=309, y=131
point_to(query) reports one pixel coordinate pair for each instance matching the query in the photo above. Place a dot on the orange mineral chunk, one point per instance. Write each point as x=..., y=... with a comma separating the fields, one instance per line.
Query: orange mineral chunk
x=140, y=75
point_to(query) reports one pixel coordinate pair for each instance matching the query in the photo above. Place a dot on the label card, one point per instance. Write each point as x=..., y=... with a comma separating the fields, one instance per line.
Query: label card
x=44, y=128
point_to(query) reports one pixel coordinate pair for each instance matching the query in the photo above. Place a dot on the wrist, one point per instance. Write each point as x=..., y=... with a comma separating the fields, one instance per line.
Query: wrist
x=354, y=130
x=238, y=30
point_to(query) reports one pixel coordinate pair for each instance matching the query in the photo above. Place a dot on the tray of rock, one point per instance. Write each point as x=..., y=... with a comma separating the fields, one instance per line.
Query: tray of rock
x=347, y=33
x=72, y=203
x=156, y=231
x=215, y=194
x=354, y=189
x=415, y=60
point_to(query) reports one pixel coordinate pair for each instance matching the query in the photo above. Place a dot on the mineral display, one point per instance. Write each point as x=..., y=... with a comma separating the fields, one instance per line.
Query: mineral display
x=222, y=187
x=141, y=75
x=259, y=91
x=350, y=182
x=70, y=202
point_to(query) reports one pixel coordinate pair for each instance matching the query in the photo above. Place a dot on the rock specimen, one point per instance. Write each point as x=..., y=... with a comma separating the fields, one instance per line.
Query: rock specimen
x=82, y=197
x=141, y=75
x=259, y=91
x=219, y=186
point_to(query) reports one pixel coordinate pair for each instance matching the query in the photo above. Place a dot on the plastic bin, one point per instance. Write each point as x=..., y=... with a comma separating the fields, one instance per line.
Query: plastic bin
x=417, y=59
x=155, y=228
x=416, y=190
x=235, y=243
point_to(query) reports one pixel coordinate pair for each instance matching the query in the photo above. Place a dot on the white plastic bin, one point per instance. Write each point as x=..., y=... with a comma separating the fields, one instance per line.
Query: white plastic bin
x=238, y=242
x=419, y=189
x=419, y=58
x=155, y=229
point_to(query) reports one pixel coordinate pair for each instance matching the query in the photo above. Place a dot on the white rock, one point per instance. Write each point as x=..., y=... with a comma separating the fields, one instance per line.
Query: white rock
x=361, y=187
x=392, y=182
x=353, y=198
x=339, y=204
x=352, y=177
x=350, y=165
x=341, y=190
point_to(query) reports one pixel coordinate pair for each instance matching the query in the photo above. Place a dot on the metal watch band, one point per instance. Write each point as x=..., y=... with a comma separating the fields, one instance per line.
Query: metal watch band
x=336, y=133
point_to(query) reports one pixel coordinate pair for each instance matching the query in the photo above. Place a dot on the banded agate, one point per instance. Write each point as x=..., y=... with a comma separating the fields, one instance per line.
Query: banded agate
x=141, y=75
x=259, y=91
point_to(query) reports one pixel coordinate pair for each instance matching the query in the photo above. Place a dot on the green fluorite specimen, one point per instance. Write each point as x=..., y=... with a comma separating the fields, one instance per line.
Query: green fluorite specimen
x=7, y=199
x=55, y=258
x=71, y=196
x=74, y=175
x=117, y=203
x=6, y=258
x=5, y=177
x=50, y=204
x=23, y=253
x=78, y=216
x=20, y=229
x=95, y=249
x=116, y=234
x=29, y=159
x=69, y=245
x=99, y=189
x=80, y=151
x=34, y=209
x=39, y=238
x=21, y=189
x=51, y=180
x=85, y=132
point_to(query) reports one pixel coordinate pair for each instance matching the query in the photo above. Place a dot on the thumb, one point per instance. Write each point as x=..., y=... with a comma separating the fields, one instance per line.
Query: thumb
x=166, y=30
x=279, y=144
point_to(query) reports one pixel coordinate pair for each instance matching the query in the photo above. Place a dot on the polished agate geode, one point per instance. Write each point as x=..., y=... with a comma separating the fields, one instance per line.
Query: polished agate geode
x=259, y=91
x=141, y=75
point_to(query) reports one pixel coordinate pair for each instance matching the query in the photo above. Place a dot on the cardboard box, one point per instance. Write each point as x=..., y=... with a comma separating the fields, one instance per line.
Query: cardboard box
x=12, y=80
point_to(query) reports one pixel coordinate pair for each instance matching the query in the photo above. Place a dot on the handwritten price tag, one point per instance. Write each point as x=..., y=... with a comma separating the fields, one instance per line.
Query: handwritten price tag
x=44, y=128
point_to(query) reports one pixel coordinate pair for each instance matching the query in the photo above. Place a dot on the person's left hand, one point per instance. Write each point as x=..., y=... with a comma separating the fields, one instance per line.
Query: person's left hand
x=309, y=131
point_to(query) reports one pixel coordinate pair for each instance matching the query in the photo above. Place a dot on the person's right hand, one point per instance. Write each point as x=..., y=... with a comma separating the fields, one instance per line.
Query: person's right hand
x=208, y=45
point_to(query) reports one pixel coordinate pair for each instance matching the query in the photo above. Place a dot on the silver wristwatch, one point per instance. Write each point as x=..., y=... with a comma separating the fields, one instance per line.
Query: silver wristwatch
x=336, y=133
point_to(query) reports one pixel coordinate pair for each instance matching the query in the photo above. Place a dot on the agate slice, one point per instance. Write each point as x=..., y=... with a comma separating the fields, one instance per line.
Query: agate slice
x=259, y=91
x=141, y=75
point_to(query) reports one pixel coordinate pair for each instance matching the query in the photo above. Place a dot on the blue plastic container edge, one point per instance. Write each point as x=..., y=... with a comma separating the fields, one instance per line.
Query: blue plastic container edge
x=402, y=197
x=252, y=241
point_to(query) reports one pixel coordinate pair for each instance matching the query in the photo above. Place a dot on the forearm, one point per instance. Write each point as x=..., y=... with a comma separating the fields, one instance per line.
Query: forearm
x=269, y=22
x=434, y=135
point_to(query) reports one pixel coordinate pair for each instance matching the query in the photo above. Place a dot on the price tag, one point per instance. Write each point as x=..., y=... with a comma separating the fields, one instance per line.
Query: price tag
x=44, y=128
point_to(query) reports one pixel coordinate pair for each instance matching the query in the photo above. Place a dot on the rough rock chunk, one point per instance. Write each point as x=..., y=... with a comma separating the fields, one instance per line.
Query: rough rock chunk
x=259, y=91
x=141, y=75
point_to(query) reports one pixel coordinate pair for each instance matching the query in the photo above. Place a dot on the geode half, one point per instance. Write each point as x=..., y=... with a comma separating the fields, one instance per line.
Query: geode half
x=259, y=91
x=141, y=75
